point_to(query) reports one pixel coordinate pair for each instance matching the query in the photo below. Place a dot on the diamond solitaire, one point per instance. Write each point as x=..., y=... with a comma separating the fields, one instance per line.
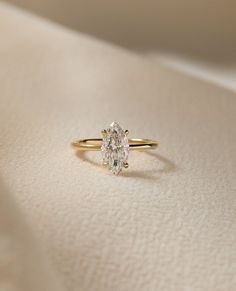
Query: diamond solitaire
x=115, y=147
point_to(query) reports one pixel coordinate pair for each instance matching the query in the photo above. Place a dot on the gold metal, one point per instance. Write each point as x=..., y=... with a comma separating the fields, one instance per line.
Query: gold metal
x=94, y=144
x=126, y=165
x=126, y=132
x=104, y=132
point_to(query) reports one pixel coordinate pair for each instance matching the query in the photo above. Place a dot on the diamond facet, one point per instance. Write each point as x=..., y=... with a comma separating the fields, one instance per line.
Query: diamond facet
x=115, y=148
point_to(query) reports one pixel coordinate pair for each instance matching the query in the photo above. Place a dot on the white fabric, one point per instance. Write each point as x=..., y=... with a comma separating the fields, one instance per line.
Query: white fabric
x=23, y=265
x=169, y=221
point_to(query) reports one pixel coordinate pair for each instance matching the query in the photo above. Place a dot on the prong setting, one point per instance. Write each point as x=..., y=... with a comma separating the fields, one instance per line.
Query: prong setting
x=104, y=132
x=126, y=132
x=126, y=165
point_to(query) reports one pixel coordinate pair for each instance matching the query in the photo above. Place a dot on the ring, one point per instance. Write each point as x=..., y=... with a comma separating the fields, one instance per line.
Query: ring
x=115, y=147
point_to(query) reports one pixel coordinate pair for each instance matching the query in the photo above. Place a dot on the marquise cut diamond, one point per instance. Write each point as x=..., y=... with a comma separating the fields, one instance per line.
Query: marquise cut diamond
x=115, y=148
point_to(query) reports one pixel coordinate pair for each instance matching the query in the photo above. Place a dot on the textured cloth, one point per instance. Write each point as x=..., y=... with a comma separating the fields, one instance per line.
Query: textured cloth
x=23, y=265
x=169, y=221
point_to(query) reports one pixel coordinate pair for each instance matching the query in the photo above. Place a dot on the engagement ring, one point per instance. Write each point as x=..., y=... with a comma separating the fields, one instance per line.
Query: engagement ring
x=115, y=147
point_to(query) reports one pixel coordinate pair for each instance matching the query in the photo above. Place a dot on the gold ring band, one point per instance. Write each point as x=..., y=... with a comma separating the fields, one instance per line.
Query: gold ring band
x=95, y=144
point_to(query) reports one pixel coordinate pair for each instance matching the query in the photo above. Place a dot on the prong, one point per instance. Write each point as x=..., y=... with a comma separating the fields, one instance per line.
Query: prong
x=126, y=165
x=126, y=132
x=104, y=132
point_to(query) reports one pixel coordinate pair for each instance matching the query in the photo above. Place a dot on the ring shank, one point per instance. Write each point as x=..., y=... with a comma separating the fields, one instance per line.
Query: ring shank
x=94, y=144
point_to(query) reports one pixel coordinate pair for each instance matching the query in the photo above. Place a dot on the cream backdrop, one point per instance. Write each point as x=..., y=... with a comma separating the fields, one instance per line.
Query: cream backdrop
x=197, y=37
x=202, y=27
x=23, y=265
x=168, y=222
